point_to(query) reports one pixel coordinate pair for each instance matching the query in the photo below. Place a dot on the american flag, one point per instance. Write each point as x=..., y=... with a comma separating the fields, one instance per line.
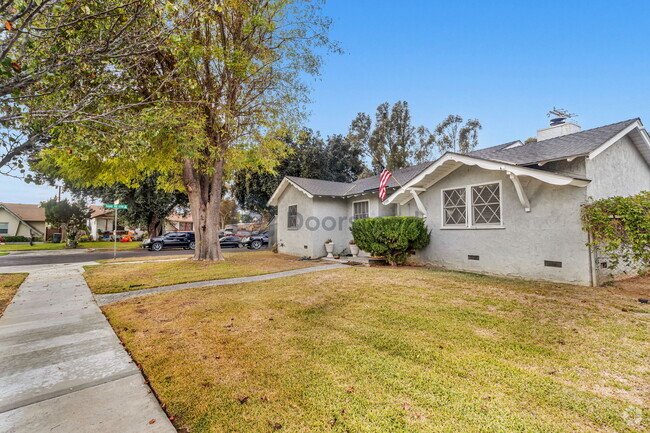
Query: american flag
x=383, y=181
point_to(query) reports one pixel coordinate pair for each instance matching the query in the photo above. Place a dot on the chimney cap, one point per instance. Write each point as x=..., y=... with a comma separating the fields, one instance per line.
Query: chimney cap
x=557, y=121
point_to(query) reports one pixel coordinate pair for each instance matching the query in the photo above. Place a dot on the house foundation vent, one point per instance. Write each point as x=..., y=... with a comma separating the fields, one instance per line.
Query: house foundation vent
x=552, y=264
x=471, y=257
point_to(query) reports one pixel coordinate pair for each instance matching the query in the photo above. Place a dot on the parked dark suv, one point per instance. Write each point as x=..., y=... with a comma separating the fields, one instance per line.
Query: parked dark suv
x=183, y=240
x=255, y=242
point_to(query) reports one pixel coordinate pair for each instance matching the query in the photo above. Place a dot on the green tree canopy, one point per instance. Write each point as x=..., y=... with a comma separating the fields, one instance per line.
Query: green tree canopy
x=334, y=158
x=148, y=204
x=72, y=217
x=57, y=66
x=205, y=102
x=391, y=141
x=451, y=135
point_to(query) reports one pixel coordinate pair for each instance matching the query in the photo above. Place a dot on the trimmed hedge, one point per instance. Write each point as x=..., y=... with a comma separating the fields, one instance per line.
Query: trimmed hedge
x=14, y=238
x=19, y=239
x=391, y=237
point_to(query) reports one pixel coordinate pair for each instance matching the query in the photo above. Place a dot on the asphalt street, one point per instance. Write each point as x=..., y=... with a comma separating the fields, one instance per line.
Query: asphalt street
x=50, y=257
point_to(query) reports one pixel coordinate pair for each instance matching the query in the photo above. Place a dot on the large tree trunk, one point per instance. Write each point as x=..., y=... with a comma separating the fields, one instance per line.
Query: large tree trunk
x=154, y=228
x=204, y=193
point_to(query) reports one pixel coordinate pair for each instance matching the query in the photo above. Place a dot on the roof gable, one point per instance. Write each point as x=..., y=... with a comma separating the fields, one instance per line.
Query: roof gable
x=26, y=212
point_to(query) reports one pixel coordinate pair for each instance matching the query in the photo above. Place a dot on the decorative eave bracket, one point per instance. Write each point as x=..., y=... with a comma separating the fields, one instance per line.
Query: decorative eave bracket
x=414, y=192
x=521, y=193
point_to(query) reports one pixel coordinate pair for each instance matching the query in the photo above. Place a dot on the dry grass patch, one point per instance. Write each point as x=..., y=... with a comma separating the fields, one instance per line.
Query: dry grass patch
x=9, y=284
x=125, y=277
x=638, y=286
x=393, y=350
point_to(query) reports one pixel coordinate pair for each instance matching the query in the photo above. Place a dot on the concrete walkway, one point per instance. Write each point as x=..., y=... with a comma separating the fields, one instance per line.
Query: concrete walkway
x=115, y=297
x=62, y=368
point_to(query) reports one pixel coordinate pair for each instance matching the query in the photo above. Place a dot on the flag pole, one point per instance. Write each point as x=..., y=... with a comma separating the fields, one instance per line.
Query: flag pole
x=391, y=173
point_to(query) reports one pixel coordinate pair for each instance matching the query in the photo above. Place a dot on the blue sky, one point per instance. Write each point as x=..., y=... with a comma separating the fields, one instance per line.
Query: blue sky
x=505, y=63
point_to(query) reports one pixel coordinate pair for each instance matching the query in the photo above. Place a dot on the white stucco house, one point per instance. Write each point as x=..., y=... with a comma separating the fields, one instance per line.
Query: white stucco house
x=511, y=209
x=22, y=220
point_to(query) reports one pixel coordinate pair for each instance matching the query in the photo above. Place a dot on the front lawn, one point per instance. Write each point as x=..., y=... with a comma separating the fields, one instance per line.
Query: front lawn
x=9, y=284
x=153, y=257
x=124, y=277
x=61, y=246
x=393, y=350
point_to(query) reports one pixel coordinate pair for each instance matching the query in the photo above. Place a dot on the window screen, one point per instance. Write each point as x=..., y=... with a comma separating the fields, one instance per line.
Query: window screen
x=292, y=217
x=360, y=210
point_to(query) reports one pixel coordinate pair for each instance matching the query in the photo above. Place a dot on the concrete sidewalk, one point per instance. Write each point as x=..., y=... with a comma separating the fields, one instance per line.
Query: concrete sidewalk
x=62, y=368
x=116, y=297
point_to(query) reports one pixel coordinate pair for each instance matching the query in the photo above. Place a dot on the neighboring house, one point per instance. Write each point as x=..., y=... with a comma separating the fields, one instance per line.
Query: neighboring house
x=512, y=209
x=22, y=220
x=178, y=223
x=101, y=221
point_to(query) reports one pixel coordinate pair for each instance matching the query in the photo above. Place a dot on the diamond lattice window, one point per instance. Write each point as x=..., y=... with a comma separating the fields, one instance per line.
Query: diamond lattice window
x=455, y=208
x=486, y=204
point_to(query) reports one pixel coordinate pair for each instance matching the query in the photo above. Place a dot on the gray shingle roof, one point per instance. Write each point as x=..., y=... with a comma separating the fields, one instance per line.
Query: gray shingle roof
x=403, y=175
x=565, y=146
x=342, y=189
x=320, y=187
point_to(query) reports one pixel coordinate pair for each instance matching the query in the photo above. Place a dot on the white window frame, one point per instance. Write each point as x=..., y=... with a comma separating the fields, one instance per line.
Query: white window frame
x=469, y=209
x=442, y=210
x=360, y=201
x=296, y=226
x=7, y=232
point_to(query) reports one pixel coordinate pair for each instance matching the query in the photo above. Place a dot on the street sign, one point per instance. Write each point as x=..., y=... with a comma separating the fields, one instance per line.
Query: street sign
x=116, y=206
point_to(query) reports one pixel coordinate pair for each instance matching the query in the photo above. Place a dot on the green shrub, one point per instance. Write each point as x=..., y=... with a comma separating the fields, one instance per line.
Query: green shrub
x=620, y=227
x=14, y=238
x=391, y=237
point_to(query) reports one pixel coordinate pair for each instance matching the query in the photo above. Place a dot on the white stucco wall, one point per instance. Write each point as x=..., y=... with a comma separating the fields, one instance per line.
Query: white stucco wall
x=323, y=218
x=551, y=231
x=333, y=217
x=294, y=241
x=618, y=171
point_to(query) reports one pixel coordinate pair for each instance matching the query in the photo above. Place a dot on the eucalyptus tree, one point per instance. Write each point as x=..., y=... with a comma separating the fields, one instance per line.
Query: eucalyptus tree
x=452, y=135
x=389, y=142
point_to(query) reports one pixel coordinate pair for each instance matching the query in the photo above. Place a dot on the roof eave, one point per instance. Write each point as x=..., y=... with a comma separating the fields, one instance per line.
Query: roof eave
x=641, y=140
x=273, y=201
x=456, y=160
